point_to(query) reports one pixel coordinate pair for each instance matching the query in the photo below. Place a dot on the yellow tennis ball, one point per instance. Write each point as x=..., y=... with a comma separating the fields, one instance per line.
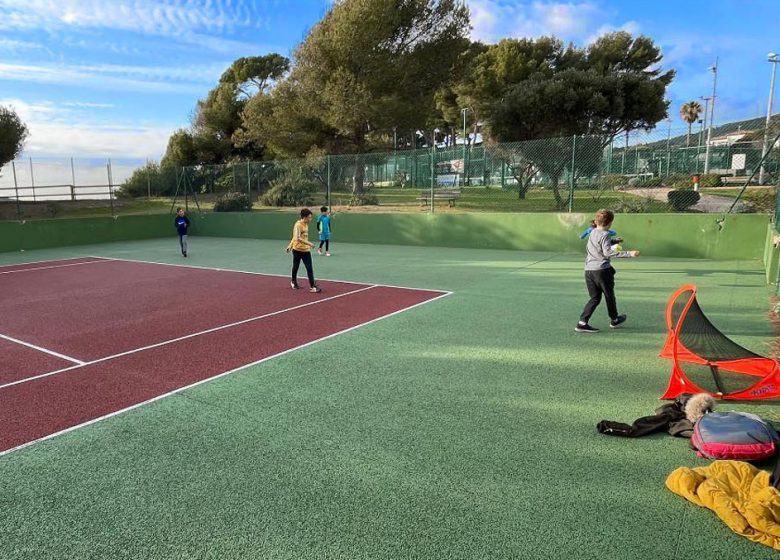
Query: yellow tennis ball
x=617, y=247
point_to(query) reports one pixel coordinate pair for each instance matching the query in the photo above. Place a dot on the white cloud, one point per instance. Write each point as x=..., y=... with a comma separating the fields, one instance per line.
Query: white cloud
x=193, y=80
x=66, y=129
x=12, y=45
x=167, y=17
x=493, y=20
x=88, y=105
x=630, y=26
x=194, y=22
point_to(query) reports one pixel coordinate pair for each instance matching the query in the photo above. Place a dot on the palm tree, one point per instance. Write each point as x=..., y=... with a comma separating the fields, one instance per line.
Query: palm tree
x=690, y=113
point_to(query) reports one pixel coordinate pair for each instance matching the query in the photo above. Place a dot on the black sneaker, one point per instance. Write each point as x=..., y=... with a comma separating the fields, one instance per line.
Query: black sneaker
x=315, y=289
x=185, y=254
x=294, y=285
x=584, y=327
x=615, y=323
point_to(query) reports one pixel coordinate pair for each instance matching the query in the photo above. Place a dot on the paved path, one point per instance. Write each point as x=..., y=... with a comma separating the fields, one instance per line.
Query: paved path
x=707, y=203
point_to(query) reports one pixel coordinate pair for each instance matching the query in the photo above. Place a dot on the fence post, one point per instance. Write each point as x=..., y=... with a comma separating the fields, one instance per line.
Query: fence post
x=248, y=181
x=433, y=166
x=327, y=182
x=16, y=190
x=571, y=179
x=110, y=193
x=73, y=181
x=636, y=160
x=32, y=179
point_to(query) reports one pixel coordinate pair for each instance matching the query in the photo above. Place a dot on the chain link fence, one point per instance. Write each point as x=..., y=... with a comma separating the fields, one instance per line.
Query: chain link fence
x=53, y=187
x=633, y=173
x=662, y=171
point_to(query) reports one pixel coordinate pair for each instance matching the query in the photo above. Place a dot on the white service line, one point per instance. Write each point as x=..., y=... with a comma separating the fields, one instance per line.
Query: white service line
x=41, y=349
x=202, y=381
x=274, y=275
x=52, y=266
x=49, y=260
x=180, y=338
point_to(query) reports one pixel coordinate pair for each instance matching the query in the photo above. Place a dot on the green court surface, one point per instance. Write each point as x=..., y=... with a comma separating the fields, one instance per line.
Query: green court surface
x=463, y=428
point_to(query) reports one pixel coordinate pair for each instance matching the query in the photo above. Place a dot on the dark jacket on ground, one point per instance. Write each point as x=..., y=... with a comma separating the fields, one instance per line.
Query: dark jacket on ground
x=669, y=417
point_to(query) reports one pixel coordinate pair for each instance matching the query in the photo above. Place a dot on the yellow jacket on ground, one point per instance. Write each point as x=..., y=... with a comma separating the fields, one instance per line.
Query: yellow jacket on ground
x=738, y=493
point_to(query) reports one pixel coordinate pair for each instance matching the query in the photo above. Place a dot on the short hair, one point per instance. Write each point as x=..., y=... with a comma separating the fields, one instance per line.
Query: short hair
x=305, y=212
x=604, y=217
x=324, y=209
x=179, y=209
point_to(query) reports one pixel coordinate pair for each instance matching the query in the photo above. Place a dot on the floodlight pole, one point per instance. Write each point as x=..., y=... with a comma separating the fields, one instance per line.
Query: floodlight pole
x=16, y=191
x=714, y=70
x=668, y=145
x=773, y=59
x=464, y=110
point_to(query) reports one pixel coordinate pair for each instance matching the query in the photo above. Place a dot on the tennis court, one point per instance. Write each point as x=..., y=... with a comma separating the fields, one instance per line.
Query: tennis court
x=87, y=338
x=454, y=427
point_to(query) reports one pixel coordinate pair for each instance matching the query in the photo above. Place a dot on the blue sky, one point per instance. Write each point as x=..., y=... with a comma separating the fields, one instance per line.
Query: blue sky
x=115, y=78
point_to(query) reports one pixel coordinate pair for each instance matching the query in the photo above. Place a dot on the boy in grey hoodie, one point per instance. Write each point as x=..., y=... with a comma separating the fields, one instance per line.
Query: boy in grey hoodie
x=599, y=274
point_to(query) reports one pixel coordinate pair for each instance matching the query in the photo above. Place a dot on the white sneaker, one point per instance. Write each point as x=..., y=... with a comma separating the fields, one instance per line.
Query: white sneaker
x=319, y=251
x=326, y=254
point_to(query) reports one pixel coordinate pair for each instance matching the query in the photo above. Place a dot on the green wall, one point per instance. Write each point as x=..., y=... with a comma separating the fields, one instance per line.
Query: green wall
x=710, y=236
x=40, y=234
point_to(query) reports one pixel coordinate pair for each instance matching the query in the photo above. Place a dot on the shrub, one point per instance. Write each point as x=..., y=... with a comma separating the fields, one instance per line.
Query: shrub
x=632, y=205
x=224, y=183
x=679, y=181
x=634, y=182
x=149, y=178
x=710, y=180
x=653, y=182
x=233, y=202
x=292, y=188
x=682, y=199
x=363, y=199
x=614, y=181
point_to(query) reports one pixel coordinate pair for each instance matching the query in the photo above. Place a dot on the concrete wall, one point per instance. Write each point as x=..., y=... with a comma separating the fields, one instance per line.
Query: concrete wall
x=772, y=254
x=40, y=234
x=710, y=236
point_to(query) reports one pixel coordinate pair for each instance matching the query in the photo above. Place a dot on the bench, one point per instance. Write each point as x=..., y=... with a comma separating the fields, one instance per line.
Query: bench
x=733, y=180
x=450, y=195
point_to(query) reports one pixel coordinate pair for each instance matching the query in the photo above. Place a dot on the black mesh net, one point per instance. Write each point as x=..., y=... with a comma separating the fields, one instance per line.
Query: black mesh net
x=701, y=337
x=716, y=380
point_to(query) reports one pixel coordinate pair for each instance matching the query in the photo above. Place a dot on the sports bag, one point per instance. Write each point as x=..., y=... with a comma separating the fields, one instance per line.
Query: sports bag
x=734, y=435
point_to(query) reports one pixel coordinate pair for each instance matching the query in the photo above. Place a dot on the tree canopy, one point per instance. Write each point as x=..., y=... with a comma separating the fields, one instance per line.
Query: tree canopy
x=538, y=89
x=13, y=133
x=370, y=68
x=217, y=118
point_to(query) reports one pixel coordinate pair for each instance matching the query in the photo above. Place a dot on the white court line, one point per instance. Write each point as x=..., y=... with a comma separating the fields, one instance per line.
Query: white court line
x=49, y=260
x=274, y=275
x=180, y=338
x=202, y=381
x=52, y=266
x=41, y=349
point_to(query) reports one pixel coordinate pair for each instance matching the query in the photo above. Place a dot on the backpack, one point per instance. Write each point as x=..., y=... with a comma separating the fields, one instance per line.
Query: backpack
x=734, y=435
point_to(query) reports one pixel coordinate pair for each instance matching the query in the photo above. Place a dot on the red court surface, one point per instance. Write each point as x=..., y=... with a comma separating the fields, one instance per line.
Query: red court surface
x=83, y=339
